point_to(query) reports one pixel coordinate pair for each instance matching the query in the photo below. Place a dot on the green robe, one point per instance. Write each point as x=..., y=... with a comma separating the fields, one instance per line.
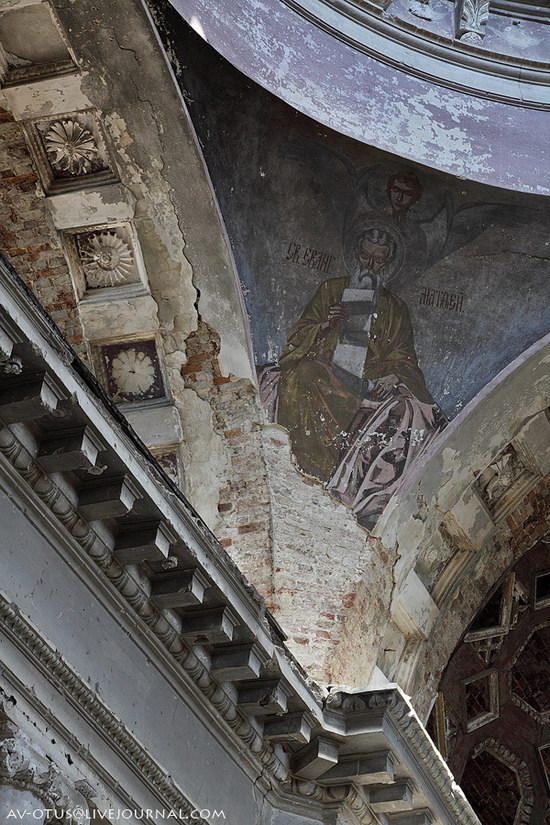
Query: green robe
x=314, y=405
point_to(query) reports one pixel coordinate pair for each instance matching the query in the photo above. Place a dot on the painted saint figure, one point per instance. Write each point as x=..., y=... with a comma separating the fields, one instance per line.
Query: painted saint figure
x=351, y=393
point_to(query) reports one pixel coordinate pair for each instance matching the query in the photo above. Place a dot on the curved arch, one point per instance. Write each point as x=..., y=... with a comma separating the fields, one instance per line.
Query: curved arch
x=495, y=691
x=476, y=435
x=382, y=105
x=442, y=531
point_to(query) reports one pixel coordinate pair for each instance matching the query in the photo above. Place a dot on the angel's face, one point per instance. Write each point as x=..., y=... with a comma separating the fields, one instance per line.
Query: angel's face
x=401, y=195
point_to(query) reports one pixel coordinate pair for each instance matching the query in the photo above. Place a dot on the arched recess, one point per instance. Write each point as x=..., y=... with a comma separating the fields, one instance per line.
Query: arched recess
x=490, y=719
x=476, y=502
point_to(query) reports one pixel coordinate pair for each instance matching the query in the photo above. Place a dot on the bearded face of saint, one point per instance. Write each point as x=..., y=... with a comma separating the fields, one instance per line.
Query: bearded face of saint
x=374, y=253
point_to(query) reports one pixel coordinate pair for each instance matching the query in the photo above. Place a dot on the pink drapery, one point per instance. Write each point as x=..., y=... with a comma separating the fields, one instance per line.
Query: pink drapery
x=385, y=438
x=382, y=442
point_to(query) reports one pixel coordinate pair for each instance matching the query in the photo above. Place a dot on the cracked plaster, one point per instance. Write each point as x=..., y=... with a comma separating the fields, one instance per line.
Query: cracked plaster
x=165, y=190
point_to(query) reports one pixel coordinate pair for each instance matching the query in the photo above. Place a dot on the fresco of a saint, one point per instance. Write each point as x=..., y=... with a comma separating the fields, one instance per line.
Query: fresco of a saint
x=348, y=387
x=350, y=391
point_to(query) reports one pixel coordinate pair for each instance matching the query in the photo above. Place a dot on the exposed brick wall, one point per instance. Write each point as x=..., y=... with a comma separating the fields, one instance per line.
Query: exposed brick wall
x=366, y=615
x=244, y=526
x=27, y=236
x=301, y=548
x=320, y=554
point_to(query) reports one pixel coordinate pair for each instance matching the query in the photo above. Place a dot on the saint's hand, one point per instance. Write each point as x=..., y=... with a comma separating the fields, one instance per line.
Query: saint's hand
x=385, y=386
x=337, y=312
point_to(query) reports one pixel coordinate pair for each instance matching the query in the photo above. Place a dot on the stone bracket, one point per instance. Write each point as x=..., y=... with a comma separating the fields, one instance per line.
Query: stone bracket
x=294, y=727
x=107, y=498
x=392, y=798
x=143, y=542
x=76, y=449
x=363, y=769
x=316, y=759
x=27, y=398
x=237, y=662
x=209, y=625
x=186, y=589
x=263, y=697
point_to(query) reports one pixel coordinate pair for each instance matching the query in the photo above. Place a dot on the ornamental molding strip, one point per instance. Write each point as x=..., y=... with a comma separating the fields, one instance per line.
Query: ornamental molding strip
x=455, y=61
x=21, y=768
x=14, y=765
x=334, y=754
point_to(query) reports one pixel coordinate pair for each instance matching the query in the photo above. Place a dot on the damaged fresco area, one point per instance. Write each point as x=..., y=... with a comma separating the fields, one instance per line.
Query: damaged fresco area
x=382, y=297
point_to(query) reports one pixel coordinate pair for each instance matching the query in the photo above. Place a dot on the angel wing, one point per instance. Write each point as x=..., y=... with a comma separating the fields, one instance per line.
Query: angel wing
x=367, y=180
x=330, y=173
x=319, y=158
x=461, y=225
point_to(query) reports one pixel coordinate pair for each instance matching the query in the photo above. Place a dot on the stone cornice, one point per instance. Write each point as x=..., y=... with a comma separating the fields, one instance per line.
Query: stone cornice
x=337, y=754
x=408, y=728
x=71, y=686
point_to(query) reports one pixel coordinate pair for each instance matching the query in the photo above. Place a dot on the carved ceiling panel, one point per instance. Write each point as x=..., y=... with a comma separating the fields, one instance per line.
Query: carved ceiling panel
x=494, y=788
x=491, y=723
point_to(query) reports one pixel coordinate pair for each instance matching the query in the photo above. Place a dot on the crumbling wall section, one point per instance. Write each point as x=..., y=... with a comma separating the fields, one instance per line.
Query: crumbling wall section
x=28, y=238
x=516, y=535
x=244, y=518
x=320, y=555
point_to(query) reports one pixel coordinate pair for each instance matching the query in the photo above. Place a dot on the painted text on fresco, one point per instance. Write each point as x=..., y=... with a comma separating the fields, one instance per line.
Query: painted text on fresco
x=441, y=299
x=312, y=258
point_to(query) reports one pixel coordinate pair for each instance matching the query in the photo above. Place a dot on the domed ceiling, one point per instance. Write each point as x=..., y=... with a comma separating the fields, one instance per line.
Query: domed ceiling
x=463, y=87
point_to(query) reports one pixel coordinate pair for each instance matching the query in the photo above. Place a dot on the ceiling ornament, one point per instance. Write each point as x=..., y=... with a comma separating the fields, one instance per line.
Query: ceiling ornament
x=71, y=148
x=133, y=372
x=471, y=20
x=107, y=260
